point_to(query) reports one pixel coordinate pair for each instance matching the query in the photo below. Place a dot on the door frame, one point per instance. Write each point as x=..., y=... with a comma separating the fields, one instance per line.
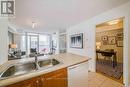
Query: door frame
x=125, y=75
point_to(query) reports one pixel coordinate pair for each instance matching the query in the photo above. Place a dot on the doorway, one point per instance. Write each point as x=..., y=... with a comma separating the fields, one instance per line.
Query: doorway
x=109, y=49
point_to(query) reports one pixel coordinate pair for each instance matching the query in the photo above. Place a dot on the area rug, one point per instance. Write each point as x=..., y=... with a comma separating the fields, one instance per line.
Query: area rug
x=105, y=67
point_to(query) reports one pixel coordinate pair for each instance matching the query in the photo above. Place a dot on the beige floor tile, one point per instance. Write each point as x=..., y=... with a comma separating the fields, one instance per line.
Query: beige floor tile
x=98, y=80
x=93, y=84
x=110, y=83
x=100, y=77
x=114, y=82
x=121, y=86
x=91, y=74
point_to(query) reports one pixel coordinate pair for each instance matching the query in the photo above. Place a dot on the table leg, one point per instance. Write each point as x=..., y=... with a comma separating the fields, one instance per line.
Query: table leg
x=97, y=56
x=114, y=62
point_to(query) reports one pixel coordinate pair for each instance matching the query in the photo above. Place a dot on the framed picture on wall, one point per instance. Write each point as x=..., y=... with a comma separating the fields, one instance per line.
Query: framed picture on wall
x=112, y=40
x=119, y=43
x=120, y=40
x=119, y=37
x=104, y=40
x=76, y=41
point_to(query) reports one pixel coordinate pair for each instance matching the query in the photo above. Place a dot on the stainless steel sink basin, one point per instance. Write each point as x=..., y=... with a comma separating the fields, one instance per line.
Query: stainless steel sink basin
x=48, y=63
x=24, y=68
x=19, y=69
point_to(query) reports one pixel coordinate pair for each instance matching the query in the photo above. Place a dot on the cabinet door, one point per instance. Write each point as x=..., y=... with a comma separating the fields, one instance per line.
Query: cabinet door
x=55, y=79
x=34, y=82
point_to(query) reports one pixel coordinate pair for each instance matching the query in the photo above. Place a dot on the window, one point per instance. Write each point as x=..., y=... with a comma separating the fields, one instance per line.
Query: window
x=44, y=43
x=40, y=42
x=23, y=43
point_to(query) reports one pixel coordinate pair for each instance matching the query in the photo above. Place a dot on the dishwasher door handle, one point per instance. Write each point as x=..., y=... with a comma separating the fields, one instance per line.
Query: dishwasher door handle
x=73, y=67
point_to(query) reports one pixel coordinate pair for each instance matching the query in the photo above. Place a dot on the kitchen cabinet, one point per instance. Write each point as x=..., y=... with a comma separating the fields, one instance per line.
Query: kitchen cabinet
x=78, y=75
x=53, y=79
x=33, y=82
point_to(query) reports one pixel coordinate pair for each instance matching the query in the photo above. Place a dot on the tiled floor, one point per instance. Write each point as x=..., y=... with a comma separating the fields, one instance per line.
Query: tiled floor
x=98, y=80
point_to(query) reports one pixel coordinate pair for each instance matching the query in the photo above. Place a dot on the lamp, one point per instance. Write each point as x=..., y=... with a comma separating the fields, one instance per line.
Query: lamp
x=98, y=45
x=13, y=46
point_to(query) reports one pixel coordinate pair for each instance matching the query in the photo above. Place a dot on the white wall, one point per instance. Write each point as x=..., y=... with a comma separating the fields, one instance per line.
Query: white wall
x=3, y=40
x=129, y=49
x=88, y=28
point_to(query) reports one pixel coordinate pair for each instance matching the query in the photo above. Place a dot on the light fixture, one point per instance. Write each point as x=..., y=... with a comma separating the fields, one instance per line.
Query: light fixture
x=14, y=46
x=113, y=22
x=34, y=24
x=98, y=45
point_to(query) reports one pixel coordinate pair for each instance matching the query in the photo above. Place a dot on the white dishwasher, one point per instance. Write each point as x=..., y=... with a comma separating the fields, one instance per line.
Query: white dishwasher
x=78, y=75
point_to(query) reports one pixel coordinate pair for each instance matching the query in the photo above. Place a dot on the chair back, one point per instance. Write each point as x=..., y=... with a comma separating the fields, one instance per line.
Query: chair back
x=108, y=54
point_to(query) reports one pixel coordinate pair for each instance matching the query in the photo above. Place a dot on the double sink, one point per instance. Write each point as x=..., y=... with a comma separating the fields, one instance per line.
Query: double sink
x=24, y=68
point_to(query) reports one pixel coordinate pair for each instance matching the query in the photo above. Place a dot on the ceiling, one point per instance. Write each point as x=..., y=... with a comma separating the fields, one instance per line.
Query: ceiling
x=110, y=25
x=52, y=15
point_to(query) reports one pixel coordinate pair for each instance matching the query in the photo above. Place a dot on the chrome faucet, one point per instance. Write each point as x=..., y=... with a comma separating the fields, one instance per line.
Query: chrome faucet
x=36, y=61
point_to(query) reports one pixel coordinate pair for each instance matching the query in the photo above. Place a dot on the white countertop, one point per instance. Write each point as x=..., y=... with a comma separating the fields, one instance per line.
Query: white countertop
x=67, y=59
